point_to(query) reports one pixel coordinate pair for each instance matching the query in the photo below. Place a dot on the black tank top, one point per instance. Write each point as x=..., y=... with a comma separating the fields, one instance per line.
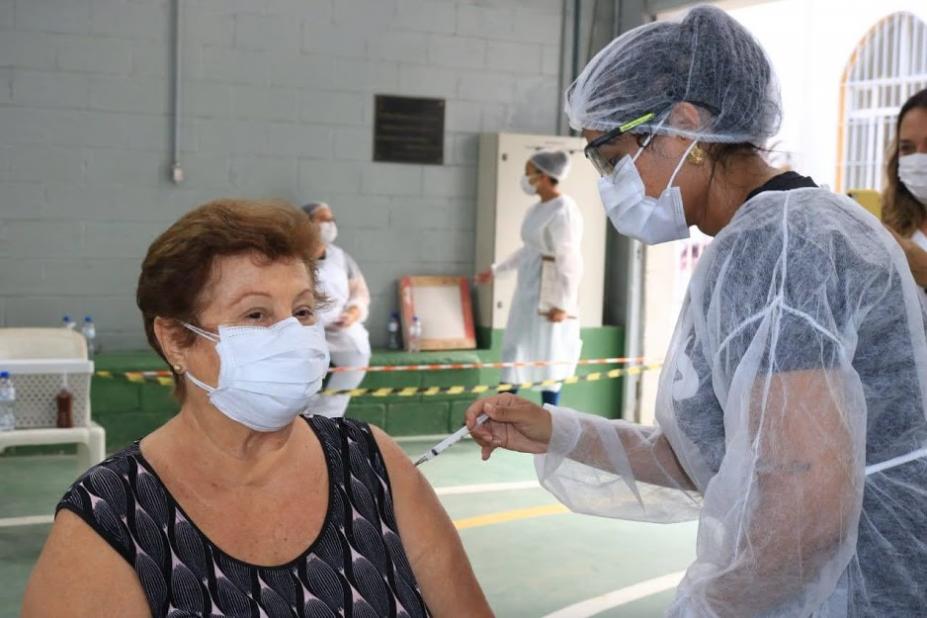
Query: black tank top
x=355, y=567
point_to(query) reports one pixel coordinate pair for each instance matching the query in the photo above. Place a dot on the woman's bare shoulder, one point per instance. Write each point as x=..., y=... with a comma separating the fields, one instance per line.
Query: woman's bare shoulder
x=80, y=574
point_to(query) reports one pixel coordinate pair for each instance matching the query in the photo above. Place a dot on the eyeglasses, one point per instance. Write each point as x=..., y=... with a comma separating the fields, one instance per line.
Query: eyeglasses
x=599, y=161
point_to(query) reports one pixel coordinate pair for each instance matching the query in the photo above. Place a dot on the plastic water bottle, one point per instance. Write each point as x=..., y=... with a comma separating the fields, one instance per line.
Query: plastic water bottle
x=7, y=402
x=415, y=335
x=68, y=323
x=393, y=343
x=90, y=334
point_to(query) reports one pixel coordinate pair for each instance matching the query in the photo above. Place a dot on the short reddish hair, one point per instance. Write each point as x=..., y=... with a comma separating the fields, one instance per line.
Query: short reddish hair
x=179, y=262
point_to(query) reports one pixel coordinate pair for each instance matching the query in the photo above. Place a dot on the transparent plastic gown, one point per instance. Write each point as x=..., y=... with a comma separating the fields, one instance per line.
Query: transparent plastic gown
x=790, y=422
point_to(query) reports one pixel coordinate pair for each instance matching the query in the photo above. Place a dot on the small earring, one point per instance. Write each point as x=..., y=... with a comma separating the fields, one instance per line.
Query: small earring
x=178, y=369
x=696, y=156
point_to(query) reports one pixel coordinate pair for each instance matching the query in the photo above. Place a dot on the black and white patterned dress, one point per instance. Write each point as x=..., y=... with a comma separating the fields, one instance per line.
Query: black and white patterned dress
x=356, y=567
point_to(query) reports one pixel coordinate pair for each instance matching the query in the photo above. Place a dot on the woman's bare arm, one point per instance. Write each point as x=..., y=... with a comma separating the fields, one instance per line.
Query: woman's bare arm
x=79, y=575
x=430, y=540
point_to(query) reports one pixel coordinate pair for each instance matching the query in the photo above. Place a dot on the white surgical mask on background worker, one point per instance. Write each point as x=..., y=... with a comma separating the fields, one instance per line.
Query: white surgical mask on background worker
x=912, y=171
x=527, y=186
x=328, y=231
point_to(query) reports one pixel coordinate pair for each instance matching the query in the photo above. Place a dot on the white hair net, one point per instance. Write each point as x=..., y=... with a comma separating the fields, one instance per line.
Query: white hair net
x=707, y=59
x=790, y=420
x=554, y=163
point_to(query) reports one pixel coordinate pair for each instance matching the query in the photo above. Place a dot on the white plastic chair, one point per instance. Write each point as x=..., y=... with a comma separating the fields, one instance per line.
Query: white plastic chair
x=40, y=360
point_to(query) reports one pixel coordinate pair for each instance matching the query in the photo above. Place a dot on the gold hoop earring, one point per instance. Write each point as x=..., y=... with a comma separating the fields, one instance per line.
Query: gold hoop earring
x=696, y=156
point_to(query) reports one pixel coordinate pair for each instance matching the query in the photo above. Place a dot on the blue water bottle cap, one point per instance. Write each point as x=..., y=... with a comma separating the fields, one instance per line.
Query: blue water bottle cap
x=87, y=318
x=4, y=374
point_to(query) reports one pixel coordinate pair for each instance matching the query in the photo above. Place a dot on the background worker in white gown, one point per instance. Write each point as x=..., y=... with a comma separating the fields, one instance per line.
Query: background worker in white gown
x=340, y=279
x=791, y=405
x=543, y=320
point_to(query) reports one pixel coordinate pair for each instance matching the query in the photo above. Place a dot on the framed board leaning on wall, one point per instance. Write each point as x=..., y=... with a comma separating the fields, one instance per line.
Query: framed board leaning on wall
x=444, y=310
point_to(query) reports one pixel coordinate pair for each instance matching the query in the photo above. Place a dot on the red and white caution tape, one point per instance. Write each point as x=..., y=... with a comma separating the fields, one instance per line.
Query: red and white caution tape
x=501, y=365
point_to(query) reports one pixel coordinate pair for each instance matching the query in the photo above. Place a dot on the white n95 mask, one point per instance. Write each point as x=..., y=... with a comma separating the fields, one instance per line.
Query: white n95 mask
x=526, y=186
x=649, y=220
x=267, y=375
x=328, y=231
x=912, y=170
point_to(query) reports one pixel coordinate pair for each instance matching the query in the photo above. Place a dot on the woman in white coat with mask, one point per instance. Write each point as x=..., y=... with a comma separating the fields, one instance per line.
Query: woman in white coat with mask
x=343, y=318
x=790, y=413
x=543, y=322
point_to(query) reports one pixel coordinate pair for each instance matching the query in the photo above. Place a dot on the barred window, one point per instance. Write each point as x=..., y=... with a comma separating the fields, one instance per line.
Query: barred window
x=886, y=68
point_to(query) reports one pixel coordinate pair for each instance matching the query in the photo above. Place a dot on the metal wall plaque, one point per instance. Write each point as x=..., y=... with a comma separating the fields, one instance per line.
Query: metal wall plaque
x=408, y=130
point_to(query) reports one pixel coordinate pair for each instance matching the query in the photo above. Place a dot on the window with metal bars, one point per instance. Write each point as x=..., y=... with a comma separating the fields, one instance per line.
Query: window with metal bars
x=886, y=68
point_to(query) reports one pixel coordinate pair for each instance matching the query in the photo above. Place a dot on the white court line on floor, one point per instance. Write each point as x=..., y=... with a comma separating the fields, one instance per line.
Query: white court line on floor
x=617, y=598
x=456, y=490
x=29, y=520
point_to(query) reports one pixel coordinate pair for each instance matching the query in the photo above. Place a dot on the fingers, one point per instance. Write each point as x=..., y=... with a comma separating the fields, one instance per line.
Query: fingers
x=498, y=438
x=510, y=417
x=509, y=409
x=480, y=433
x=480, y=407
x=497, y=408
x=475, y=409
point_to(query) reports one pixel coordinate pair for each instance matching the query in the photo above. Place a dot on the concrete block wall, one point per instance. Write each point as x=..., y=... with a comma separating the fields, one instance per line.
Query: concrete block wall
x=277, y=102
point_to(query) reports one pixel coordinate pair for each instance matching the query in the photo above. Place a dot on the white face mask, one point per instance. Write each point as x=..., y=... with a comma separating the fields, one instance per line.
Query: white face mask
x=912, y=170
x=649, y=220
x=328, y=232
x=267, y=375
x=526, y=186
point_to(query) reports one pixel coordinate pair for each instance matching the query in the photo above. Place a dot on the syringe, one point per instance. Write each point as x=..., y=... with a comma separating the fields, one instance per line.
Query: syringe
x=452, y=439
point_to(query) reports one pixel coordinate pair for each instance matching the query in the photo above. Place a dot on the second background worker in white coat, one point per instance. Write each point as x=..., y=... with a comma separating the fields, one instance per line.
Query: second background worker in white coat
x=543, y=319
x=343, y=317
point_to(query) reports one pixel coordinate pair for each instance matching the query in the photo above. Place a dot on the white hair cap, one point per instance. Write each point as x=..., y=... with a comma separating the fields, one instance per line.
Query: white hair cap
x=554, y=163
x=708, y=59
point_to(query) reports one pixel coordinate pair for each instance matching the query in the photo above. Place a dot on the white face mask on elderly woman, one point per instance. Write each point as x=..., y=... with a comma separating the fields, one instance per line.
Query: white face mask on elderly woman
x=267, y=375
x=649, y=220
x=912, y=170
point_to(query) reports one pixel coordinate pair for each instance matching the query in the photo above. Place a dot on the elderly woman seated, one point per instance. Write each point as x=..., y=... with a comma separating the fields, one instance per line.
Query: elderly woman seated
x=240, y=506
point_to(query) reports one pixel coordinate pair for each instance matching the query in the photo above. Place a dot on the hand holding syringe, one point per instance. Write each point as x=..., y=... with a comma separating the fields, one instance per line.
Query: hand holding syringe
x=518, y=425
x=452, y=439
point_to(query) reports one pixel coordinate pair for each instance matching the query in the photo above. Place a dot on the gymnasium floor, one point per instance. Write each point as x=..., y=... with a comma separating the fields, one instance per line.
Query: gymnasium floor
x=532, y=557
